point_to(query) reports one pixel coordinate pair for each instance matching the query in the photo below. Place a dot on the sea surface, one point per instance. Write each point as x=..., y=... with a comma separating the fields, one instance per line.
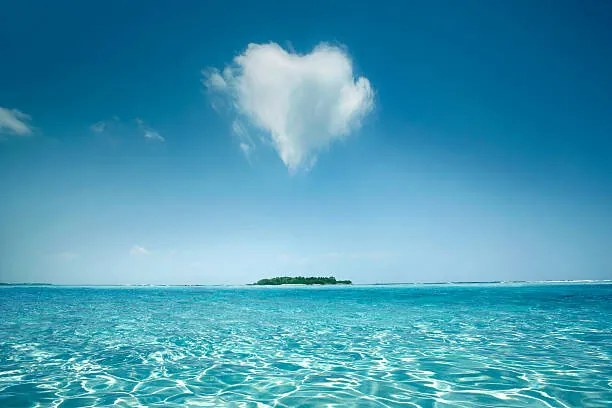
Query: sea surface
x=491, y=345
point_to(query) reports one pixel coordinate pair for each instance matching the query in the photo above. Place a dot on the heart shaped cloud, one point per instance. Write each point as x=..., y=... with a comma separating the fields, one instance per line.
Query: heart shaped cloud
x=302, y=102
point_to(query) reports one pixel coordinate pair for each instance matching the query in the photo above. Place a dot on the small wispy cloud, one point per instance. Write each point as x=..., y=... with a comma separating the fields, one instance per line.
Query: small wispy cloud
x=302, y=102
x=245, y=142
x=120, y=128
x=138, y=250
x=112, y=125
x=99, y=127
x=246, y=149
x=148, y=132
x=14, y=122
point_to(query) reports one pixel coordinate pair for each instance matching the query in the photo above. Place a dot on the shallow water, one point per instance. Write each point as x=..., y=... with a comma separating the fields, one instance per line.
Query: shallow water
x=429, y=345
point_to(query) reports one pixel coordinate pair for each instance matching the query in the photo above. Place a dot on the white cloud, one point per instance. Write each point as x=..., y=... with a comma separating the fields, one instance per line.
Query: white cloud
x=246, y=149
x=110, y=126
x=153, y=135
x=138, y=250
x=120, y=128
x=247, y=146
x=214, y=80
x=99, y=127
x=303, y=102
x=15, y=122
x=148, y=132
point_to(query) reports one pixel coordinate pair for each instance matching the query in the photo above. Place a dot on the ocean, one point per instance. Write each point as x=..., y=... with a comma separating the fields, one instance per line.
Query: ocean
x=451, y=345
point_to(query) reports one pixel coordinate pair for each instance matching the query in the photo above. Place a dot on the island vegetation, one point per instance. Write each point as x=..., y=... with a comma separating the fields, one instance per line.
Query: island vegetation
x=301, y=280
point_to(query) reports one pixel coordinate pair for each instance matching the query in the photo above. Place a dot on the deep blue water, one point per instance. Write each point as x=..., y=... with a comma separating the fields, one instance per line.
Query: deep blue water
x=544, y=345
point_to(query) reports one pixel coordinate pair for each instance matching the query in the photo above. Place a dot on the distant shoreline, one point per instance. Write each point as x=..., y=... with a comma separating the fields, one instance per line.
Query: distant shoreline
x=161, y=285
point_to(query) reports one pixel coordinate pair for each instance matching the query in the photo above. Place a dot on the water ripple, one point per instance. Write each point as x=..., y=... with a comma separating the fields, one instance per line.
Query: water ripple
x=443, y=346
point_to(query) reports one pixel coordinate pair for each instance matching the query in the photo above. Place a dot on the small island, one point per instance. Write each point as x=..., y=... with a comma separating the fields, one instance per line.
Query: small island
x=301, y=280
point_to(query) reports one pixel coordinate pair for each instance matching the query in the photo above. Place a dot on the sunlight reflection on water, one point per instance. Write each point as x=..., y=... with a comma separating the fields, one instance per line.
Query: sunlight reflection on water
x=439, y=345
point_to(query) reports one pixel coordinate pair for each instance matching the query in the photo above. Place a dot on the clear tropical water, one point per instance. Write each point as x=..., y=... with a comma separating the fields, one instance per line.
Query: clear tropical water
x=430, y=346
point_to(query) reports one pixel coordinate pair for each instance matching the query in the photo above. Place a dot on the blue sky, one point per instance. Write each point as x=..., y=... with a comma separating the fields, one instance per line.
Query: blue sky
x=476, y=147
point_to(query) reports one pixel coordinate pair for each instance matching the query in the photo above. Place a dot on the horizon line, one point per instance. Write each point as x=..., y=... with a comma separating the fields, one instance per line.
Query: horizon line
x=251, y=284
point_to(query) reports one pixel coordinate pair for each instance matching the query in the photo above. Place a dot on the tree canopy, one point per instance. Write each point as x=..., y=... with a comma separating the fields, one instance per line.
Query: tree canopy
x=301, y=280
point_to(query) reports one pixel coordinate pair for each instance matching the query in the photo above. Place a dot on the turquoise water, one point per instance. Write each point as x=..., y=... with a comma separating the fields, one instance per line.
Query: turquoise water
x=429, y=345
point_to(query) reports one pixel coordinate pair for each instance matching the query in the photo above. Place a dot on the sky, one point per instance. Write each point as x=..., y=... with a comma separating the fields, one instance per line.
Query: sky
x=223, y=142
